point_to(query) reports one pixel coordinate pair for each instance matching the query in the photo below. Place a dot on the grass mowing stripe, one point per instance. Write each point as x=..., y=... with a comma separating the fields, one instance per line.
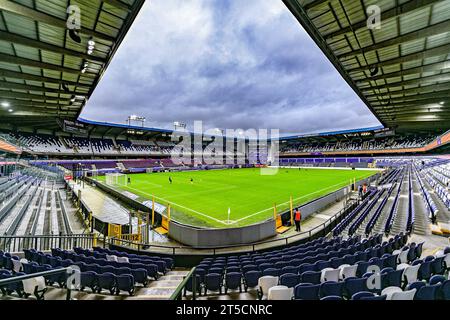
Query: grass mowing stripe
x=205, y=202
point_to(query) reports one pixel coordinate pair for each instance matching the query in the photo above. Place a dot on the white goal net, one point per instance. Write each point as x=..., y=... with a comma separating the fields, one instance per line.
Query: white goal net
x=116, y=179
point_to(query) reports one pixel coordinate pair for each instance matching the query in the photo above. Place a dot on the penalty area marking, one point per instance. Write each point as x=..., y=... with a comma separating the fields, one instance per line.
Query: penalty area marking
x=287, y=202
x=226, y=222
x=178, y=205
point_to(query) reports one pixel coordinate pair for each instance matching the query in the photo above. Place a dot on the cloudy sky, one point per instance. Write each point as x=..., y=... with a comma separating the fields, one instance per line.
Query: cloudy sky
x=230, y=63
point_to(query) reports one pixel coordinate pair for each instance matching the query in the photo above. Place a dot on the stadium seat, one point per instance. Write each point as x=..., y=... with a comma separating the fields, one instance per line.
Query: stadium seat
x=140, y=276
x=331, y=288
x=445, y=290
x=289, y=280
x=306, y=291
x=213, y=282
x=251, y=279
x=88, y=279
x=437, y=265
x=362, y=294
x=125, y=282
x=312, y=277
x=271, y=272
x=354, y=285
x=189, y=285
x=107, y=281
x=424, y=272
x=331, y=298
x=347, y=271
x=428, y=292
x=264, y=284
x=330, y=275
x=233, y=280
x=403, y=295
x=410, y=273
x=280, y=293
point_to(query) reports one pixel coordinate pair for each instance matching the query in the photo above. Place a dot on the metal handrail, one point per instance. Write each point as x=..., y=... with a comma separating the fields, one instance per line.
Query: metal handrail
x=16, y=279
x=14, y=243
x=310, y=233
x=176, y=295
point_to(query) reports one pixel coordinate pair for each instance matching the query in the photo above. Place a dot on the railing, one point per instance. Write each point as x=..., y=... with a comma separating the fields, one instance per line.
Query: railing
x=178, y=293
x=12, y=280
x=46, y=242
x=261, y=245
x=393, y=211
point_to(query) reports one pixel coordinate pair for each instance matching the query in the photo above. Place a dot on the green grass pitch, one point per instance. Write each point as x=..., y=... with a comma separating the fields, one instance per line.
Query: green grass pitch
x=249, y=195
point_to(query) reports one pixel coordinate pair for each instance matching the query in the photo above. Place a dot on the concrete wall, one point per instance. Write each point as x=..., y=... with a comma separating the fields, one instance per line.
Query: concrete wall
x=208, y=238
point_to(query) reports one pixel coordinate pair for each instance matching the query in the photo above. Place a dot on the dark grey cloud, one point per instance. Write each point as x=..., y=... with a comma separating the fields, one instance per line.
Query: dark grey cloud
x=231, y=64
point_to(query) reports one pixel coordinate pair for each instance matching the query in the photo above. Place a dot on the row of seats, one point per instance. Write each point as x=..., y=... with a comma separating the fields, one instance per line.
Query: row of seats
x=393, y=211
x=169, y=262
x=95, y=277
x=233, y=272
x=62, y=258
x=439, y=183
x=429, y=203
x=378, y=211
x=389, y=283
x=373, y=144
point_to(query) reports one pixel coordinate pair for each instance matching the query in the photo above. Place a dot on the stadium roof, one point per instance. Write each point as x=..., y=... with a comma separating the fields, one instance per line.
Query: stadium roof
x=42, y=61
x=402, y=70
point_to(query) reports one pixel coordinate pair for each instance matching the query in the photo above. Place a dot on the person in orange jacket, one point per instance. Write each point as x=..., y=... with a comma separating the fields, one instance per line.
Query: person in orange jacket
x=297, y=220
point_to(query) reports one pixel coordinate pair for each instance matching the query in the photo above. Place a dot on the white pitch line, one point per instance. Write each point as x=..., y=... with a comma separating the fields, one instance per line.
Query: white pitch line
x=304, y=196
x=246, y=217
x=153, y=184
x=178, y=205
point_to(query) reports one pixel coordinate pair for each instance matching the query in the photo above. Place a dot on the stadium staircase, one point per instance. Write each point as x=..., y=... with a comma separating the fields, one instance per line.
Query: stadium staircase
x=163, y=288
x=63, y=142
x=401, y=217
x=422, y=221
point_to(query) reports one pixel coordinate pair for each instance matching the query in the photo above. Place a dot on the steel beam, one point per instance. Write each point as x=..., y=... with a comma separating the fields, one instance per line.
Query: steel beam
x=31, y=77
x=438, y=51
x=24, y=11
x=395, y=12
x=15, y=38
x=438, y=28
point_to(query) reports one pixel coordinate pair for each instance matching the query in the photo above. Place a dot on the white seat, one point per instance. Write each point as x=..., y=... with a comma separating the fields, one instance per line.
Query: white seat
x=410, y=273
x=404, y=295
x=348, y=271
x=447, y=260
x=330, y=274
x=403, y=256
x=402, y=266
x=389, y=291
x=16, y=265
x=111, y=258
x=322, y=273
x=439, y=254
x=265, y=283
x=29, y=285
x=123, y=259
x=280, y=293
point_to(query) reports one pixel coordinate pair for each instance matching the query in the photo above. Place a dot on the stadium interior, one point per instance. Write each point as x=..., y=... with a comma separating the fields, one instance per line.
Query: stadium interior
x=103, y=211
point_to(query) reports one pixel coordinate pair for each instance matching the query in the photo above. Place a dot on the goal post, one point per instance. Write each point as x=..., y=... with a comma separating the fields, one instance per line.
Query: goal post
x=116, y=179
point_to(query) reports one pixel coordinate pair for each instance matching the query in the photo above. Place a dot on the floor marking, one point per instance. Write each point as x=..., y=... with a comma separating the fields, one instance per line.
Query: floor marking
x=304, y=196
x=178, y=205
x=225, y=222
